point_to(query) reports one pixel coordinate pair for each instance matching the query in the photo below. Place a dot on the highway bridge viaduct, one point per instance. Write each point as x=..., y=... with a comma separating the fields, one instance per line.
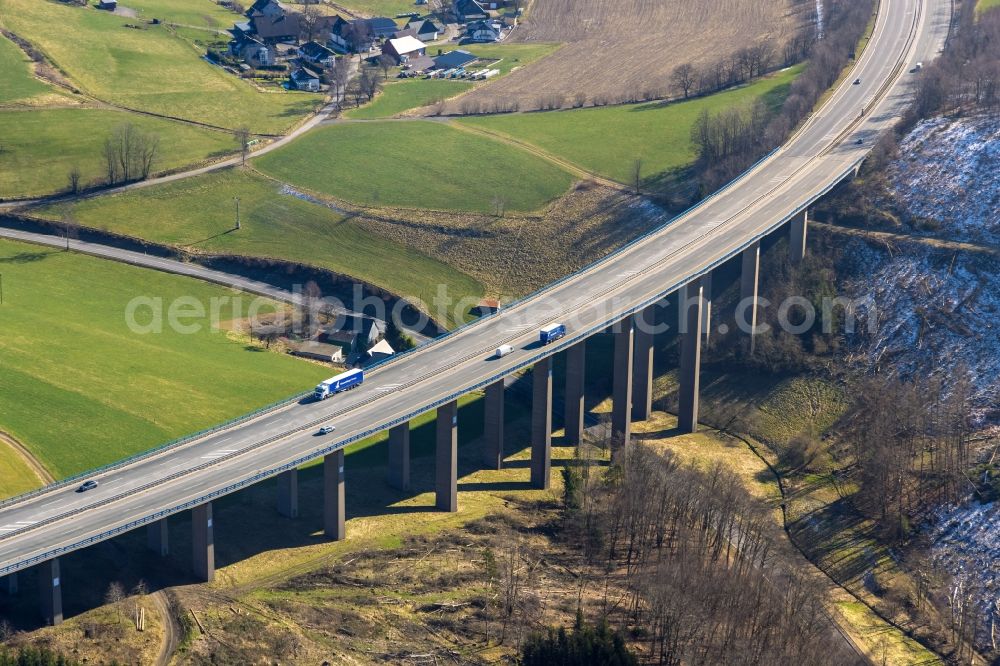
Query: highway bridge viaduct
x=618, y=291
x=632, y=396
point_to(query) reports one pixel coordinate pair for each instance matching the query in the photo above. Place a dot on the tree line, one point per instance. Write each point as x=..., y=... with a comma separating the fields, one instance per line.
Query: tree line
x=729, y=141
x=966, y=77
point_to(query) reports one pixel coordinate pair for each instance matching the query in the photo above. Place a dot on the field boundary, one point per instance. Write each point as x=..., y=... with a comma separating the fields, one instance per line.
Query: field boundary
x=21, y=451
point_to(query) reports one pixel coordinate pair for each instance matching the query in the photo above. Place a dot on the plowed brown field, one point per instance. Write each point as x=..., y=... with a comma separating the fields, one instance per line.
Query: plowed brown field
x=619, y=49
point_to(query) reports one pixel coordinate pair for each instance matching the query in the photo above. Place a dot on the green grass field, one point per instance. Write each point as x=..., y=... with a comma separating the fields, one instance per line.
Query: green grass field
x=418, y=164
x=80, y=389
x=403, y=95
x=40, y=146
x=195, y=13
x=150, y=69
x=608, y=140
x=17, y=83
x=983, y=5
x=198, y=213
x=15, y=475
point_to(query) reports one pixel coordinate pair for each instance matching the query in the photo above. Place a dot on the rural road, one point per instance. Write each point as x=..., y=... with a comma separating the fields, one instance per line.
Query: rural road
x=177, y=267
x=59, y=520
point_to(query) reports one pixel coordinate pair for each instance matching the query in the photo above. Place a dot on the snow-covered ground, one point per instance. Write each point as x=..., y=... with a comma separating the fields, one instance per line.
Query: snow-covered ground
x=966, y=543
x=949, y=172
x=939, y=311
x=936, y=314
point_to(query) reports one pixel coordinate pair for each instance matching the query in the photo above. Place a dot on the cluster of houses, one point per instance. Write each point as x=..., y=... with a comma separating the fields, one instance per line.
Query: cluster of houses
x=275, y=38
x=352, y=340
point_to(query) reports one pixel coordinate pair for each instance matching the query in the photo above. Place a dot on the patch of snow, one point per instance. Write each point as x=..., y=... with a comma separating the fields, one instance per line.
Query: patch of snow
x=949, y=171
x=933, y=313
x=966, y=544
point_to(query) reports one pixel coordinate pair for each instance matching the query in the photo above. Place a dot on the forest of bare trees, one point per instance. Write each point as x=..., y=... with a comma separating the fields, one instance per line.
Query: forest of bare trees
x=693, y=551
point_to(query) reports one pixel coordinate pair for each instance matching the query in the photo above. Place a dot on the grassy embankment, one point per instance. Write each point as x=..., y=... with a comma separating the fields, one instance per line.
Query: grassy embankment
x=608, y=140
x=198, y=214
x=80, y=389
x=406, y=94
x=148, y=67
x=418, y=164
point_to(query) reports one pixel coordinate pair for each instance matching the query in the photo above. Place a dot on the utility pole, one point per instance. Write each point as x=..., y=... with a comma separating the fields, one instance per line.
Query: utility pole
x=237, y=212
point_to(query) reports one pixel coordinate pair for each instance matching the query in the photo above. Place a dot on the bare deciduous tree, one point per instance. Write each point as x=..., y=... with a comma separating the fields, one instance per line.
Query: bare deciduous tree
x=243, y=136
x=684, y=78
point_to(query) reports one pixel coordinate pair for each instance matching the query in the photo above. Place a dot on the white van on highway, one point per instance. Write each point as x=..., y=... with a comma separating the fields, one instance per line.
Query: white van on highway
x=502, y=351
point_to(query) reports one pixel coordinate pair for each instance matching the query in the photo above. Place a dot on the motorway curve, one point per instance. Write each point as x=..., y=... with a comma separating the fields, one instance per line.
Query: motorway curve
x=58, y=520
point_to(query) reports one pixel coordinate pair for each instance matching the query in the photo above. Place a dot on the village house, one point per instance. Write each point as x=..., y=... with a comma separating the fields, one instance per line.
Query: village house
x=425, y=30
x=255, y=53
x=303, y=79
x=108, y=5
x=273, y=29
x=483, y=32
x=269, y=8
x=316, y=53
x=403, y=48
x=467, y=11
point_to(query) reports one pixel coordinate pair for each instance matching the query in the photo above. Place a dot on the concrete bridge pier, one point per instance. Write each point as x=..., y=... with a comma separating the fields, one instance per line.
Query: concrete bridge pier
x=692, y=303
x=399, y=456
x=621, y=390
x=749, y=279
x=333, y=495
x=576, y=373
x=706, y=305
x=50, y=587
x=798, y=229
x=541, y=424
x=158, y=537
x=288, y=493
x=11, y=584
x=493, y=426
x=203, y=542
x=446, y=458
x=642, y=384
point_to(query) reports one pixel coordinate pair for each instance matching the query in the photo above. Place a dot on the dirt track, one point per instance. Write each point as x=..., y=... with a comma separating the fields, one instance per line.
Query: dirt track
x=618, y=49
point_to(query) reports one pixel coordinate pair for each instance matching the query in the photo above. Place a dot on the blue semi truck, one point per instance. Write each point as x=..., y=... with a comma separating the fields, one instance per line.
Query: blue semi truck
x=342, y=382
x=551, y=333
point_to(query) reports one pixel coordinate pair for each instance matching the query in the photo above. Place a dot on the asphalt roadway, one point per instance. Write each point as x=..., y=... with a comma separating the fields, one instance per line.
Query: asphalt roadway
x=59, y=520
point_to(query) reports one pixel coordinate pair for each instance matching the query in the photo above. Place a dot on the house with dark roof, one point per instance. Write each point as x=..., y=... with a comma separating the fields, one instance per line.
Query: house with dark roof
x=303, y=79
x=316, y=54
x=469, y=10
x=453, y=59
x=255, y=52
x=271, y=8
x=425, y=30
x=276, y=29
x=108, y=5
x=381, y=27
x=482, y=32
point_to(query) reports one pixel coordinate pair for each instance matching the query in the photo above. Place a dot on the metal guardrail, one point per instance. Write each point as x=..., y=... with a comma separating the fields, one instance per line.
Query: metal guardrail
x=551, y=350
